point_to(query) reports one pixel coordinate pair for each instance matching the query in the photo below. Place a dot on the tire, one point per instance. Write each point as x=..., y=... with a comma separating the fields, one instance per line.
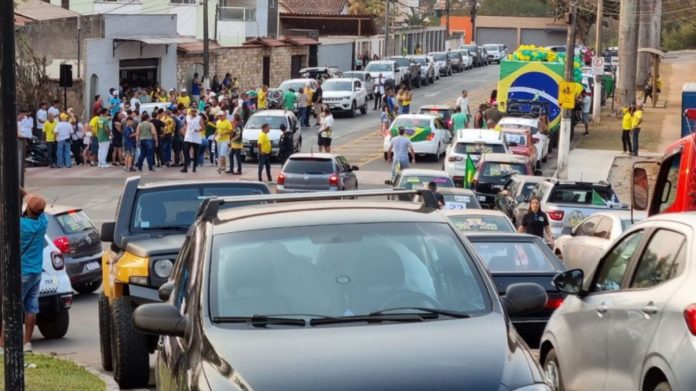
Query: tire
x=363, y=108
x=105, y=332
x=54, y=327
x=551, y=365
x=88, y=287
x=130, y=356
x=663, y=386
x=353, y=107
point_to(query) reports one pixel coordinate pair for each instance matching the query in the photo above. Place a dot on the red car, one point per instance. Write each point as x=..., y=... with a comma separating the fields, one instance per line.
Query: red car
x=521, y=143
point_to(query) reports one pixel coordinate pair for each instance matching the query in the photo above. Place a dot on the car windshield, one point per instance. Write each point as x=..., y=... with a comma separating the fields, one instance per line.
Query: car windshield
x=74, y=221
x=461, y=201
x=516, y=139
x=402, y=62
x=439, y=56
x=420, y=60
x=357, y=75
x=478, y=148
x=337, y=86
x=295, y=85
x=343, y=270
x=379, y=67
x=411, y=182
x=443, y=114
x=498, y=169
x=475, y=223
x=528, y=189
x=177, y=207
x=453, y=55
x=469, y=48
x=411, y=123
x=274, y=121
x=504, y=256
x=309, y=165
x=491, y=48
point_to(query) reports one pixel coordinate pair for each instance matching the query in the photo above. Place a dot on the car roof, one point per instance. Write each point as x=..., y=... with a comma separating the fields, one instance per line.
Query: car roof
x=272, y=113
x=304, y=79
x=316, y=155
x=416, y=116
x=529, y=178
x=503, y=158
x=456, y=190
x=501, y=236
x=337, y=79
x=380, y=61
x=472, y=212
x=435, y=107
x=189, y=183
x=60, y=209
x=423, y=171
x=519, y=121
x=623, y=214
x=687, y=218
x=517, y=130
x=466, y=135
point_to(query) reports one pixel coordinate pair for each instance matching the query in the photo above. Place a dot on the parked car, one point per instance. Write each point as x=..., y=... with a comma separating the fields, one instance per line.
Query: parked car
x=74, y=234
x=517, y=190
x=265, y=302
x=479, y=220
x=428, y=134
x=345, y=95
x=55, y=294
x=541, y=141
x=467, y=60
x=436, y=66
x=581, y=247
x=443, y=112
x=389, y=69
x=150, y=225
x=444, y=61
x=484, y=55
x=456, y=60
x=427, y=69
x=321, y=73
x=494, y=52
x=297, y=84
x=417, y=178
x=274, y=118
x=494, y=170
x=475, y=53
x=521, y=258
x=410, y=71
x=521, y=143
x=472, y=143
x=304, y=172
x=630, y=323
x=365, y=78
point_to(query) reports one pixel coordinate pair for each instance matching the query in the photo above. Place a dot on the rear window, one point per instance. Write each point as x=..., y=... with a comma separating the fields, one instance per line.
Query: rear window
x=473, y=223
x=528, y=189
x=309, y=166
x=583, y=195
x=478, y=148
x=514, y=139
x=442, y=114
x=461, y=201
x=417, y=182
x=74, y=221
x=497, y=169
x=410, y=122
x=514, y=257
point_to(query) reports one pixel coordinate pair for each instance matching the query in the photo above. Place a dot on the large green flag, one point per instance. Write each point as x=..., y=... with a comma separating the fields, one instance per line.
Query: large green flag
x=469, y=173
x=597, y=199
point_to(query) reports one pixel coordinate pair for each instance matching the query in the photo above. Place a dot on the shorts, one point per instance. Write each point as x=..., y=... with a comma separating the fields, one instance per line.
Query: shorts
x=129, y=150
x=223, y=148
x=324, y=141
x=95, y=146
x=585, y=118
x=30, y=293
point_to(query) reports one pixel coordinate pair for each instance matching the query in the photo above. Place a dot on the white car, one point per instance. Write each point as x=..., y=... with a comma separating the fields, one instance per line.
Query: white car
x=55, y=293
x=345, y=94
x=274, y=118
x=297, y=84
x=436, y=66
x=442, y=63
x=428, y=134
x=389, y=70
x=468, y=61
x=472, y=142
x=494, y=52
x=540, y=140
x=581, y=247
x=365, y=78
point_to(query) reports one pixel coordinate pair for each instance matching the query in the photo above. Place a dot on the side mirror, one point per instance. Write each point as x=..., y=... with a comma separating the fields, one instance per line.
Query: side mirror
x=639, y=191
x=354, y=168
x=389, y=182
x=107, y=231
x=569, y=282
x=165, y=291
x=538, y=173
x=160, y=319
x=523, y=298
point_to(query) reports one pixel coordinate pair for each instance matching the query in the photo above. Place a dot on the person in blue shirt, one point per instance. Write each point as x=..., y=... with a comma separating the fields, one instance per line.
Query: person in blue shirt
x=32, y=225
x=114, y=103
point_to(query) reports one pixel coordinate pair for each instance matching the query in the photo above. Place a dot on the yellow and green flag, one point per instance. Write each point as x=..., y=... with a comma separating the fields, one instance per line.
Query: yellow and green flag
x=469, y=172
x=597, y=199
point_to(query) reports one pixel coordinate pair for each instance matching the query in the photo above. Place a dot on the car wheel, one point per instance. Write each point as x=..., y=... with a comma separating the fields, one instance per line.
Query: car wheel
x=363, y=108
x=56, y=326
x=88, y=287
x=105, y=332
x=553, y=371
x=353, y=107
x=130, y=354
x=664, y=386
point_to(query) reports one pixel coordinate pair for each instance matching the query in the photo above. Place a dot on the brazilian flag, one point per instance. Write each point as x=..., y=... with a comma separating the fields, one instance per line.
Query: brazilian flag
x=469, y=172
x=597, y=199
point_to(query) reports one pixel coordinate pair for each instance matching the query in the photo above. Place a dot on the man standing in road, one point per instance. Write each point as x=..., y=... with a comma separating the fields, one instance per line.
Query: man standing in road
x=317, y=100
x=378, y=91
x=63, y=132
x=401, y=152
x=459, y=120
x=302, y=107
x=265, y=149
x=262, y=98
x=325, y=133
x=49, y=130
x=42, y=117
x=636, y=123
x=289, y=100
x=493, y=114
x=236, y=145
x=586, y=103
x=463, y=104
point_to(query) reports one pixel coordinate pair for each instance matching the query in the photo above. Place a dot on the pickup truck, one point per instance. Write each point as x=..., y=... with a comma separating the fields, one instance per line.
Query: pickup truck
x=143, y=244
x=567, y=203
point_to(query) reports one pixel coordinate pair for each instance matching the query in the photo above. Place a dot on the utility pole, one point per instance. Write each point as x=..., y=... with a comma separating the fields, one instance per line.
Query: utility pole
x=447, y=15
x=206, y=48
x=564, y=135
x=628, y=50
x=10, y=271
x=386, y=30
x=597, y=94
x=645, y=10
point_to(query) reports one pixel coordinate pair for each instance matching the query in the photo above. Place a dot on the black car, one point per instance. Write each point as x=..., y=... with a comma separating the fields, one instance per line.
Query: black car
x=493, y=172
x=520, y=258
x=517, y=189
x=316, y=292
x=411, y=75
x=78, y=240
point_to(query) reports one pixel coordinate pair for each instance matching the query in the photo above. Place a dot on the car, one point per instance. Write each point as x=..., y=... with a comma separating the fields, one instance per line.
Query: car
x=55, y=293
x=379, y=294
x=467, y=60
x=304, y=172
x=493, y=171
x=517, y=190
x=475, y=53
x=581, y=247
x=410, y=71
x=74, y=234
x=416, y=178
x=541, y=140
x=345, y=95
x=150, y=225
x=427, y=69
x=152, y=107
x=479, y=220
x=365, y=78
x=456, y=60
x=428, y=134
x=515, y=258
x=274, y=98
x=630, y=323
x=456, y=198
x=297, y=84
x=471, y=143
x=321, y=73
x=274, y=118
x=521, y=143
x=494, y=52
x=484, y=55
x=436, y=66
x=389, y=69
x=444, y=112
x=443, y=60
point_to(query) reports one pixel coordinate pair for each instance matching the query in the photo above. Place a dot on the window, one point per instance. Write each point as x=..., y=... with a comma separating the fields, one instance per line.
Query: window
x=514, y=257
x=238, y=10
x=663, y=259
x=603, y=229
x=182, y=1
x=613, y=267
x=588, y=227
x=309, y=165
x=670, y=176
x=74, y=221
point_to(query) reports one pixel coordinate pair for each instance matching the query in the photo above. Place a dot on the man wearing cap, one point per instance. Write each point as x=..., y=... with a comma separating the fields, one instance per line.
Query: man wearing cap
x=184, y=99
x=63, y=132
x=32, y=230
x=114, y=104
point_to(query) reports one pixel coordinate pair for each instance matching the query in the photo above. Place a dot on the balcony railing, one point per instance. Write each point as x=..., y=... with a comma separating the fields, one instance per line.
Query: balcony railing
x=238, y=14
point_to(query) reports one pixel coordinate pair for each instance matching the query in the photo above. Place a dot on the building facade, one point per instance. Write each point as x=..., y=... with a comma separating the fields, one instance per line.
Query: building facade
x=512, y=31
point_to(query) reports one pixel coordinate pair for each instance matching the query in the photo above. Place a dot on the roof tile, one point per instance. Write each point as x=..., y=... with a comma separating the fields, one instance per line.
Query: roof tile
x=323, y=7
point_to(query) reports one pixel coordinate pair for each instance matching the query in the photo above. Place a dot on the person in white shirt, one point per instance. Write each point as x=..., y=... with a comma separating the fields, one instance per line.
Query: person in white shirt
x=41, y=116
x=192, y=139
x=135, y=101
x=55, y=109
x=325, y=133
x=379, y=91
x=63, y=132
x=463, y=103
x=401, y=152
x=25, y=125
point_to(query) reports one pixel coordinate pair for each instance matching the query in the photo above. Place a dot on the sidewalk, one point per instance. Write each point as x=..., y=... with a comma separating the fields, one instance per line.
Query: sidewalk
x=593, y=165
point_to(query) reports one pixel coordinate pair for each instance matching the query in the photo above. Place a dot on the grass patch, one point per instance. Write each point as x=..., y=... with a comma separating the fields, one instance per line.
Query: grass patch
x=55, y=374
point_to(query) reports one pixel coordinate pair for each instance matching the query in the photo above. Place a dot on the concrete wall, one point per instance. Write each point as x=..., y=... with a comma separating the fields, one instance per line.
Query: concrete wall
x=339, y=54
x=140, y=25
x=186, y=18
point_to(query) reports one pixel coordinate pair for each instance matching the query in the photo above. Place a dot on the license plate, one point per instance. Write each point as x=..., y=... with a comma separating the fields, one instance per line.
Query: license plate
x=92, y=266
x=481, y=198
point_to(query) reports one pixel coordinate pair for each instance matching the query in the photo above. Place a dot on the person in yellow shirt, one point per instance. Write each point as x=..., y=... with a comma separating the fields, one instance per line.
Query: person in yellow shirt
x=636, y=121
x=265, y=152
x=184, y=99
x=167, y=136
x=261, y=98
x=223, y=130
x=236, y=145
x=627, y=126
x=50, y=133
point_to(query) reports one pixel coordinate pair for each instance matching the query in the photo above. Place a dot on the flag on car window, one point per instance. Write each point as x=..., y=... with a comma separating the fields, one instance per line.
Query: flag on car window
x=597, y=199
x=469, y=172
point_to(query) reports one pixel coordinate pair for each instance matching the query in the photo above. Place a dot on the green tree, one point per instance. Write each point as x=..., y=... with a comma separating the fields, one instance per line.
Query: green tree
x=537, y=8
x=679, y=36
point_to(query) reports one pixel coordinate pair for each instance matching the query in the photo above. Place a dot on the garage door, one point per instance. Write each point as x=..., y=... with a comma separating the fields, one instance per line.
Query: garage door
x=543, y=37
x=507, y=37
x=339, y=54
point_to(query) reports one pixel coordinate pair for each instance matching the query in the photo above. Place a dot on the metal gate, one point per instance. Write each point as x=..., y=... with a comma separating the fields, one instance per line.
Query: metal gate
x=540, y=37
x=507, y=37
x=338, y=54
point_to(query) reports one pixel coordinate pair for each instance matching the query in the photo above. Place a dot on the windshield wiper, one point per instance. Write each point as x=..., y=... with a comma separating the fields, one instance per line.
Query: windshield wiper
x=432, y=312
x=369, y=319
x=260, y=320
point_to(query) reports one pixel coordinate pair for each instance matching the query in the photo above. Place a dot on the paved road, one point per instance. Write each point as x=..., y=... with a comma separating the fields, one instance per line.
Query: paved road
x=97, y=190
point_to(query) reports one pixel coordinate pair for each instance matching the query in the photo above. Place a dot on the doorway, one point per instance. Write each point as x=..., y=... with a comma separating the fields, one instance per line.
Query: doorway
x=266, y=70
x=295, y=66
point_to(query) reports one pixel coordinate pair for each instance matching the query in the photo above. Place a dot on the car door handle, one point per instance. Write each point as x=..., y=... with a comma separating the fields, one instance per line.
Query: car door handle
x=602, y=309
x=650, y=309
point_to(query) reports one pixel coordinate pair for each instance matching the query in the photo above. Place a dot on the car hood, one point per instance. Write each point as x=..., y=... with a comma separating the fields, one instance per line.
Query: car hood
x=480, y=353
x=337, y=94
x=253, y=134
x=387, y=74
x=148, y=245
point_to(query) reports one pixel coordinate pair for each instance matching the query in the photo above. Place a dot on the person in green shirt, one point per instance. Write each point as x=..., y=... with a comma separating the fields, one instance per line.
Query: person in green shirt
x=289, y=99
x=459, y=120
x=103, y=138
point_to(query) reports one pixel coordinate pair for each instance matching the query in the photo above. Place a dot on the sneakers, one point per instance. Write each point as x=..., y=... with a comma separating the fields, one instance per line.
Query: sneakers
x=27, y=347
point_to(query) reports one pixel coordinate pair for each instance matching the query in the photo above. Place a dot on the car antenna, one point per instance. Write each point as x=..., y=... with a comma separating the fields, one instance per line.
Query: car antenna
x=54, y=201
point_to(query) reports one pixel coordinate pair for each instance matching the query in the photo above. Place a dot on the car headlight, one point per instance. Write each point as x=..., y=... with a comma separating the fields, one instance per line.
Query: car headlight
x=163, y=268
x=534, y=387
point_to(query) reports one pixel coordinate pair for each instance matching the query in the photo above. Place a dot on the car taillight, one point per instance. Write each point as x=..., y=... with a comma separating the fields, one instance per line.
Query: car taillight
x=281, y=179
x=333, y=180
x=449, y=123
x=555, y=214
x=455, y=159
x=690, y=317
x=431, y=136
x=57, y=260
x=554, y=303
x=63, y=244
